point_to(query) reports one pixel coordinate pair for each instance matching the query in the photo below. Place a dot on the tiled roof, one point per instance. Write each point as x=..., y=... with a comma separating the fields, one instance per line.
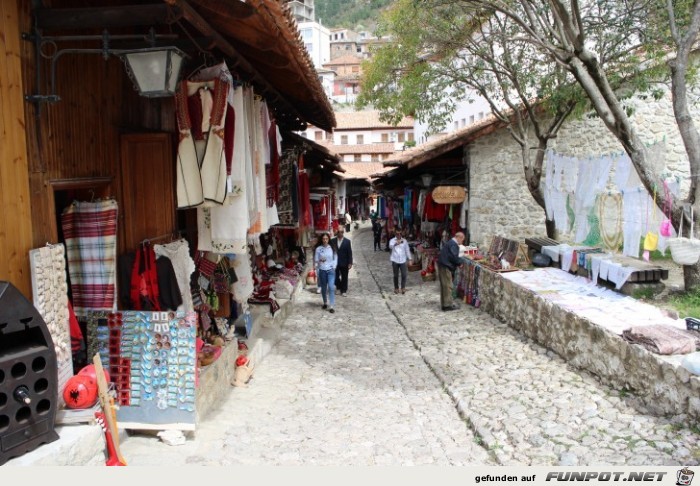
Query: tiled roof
x=347, y=59
x=366, y=148
x=361, y=170
x=353, y=120
x=426, y=151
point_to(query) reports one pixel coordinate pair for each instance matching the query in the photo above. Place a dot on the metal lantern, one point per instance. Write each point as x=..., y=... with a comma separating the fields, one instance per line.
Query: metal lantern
x=154, y=70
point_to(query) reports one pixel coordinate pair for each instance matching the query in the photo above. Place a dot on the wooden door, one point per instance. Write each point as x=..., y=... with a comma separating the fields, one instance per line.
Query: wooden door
x=148, y=187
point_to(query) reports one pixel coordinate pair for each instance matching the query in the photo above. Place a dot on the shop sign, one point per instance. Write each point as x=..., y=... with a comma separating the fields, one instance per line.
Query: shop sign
x=449, y=194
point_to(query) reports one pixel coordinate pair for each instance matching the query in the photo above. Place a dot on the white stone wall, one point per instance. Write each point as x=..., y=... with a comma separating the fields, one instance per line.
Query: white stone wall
x=500, y=203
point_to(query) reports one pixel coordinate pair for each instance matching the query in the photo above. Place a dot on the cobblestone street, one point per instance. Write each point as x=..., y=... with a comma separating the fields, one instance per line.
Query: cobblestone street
x=391, y=380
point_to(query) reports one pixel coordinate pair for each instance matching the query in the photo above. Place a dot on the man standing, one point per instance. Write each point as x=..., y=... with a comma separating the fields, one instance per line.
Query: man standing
x=448, y=261
x=400, y=255
x=344, y=248
x=377, y=233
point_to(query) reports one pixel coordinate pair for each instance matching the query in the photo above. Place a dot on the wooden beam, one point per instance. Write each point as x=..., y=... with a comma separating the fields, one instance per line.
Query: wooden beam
x=105, y=17
x=193, y=17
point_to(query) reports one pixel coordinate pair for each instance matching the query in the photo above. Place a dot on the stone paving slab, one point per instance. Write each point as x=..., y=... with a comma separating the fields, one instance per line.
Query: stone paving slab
x=526, y=403
x=391, y=380
x=338, y=389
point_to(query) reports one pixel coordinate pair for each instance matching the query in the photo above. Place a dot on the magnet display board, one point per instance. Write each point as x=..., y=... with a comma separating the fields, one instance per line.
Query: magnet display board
x=50, y=295
x=151, y=359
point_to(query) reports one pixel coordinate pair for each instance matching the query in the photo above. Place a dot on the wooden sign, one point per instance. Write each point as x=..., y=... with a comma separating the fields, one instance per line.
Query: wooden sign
x=449, y=194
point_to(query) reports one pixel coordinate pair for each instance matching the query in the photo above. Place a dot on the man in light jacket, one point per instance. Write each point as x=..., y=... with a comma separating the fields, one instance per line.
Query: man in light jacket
x=400, y=256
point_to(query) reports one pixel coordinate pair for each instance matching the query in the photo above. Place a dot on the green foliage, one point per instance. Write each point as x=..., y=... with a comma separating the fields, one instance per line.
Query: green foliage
x=447, y=53
x=351, y=14
x=687, y=304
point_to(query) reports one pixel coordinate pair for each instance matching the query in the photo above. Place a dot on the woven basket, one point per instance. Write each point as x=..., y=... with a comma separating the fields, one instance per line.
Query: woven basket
x=428, y=277
x=414, y=267
x=685, y=251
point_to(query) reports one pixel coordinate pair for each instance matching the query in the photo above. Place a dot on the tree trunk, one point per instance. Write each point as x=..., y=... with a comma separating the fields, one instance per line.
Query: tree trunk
x=691, y=277
x=533, y=177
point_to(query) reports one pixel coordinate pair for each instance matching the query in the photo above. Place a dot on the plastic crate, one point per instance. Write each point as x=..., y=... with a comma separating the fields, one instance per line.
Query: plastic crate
x=692, y=324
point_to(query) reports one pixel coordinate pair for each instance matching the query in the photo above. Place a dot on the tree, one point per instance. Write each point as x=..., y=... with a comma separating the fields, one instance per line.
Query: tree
x=443, y=54
x=574, y=35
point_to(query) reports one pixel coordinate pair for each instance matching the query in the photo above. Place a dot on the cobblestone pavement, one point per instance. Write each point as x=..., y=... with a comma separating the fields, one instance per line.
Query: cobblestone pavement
x=391, y=380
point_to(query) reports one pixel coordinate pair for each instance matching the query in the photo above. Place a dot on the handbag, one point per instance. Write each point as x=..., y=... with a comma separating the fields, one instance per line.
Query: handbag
x=685, y=251
x=651, y=239
x=665, y=227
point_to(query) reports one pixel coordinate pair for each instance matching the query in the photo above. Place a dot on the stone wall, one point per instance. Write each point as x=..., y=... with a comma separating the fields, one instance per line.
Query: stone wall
x=659, y=382
x=500, y=203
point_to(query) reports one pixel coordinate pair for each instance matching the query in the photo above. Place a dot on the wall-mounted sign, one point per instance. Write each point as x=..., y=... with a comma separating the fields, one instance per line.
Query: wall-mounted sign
x=449, y=194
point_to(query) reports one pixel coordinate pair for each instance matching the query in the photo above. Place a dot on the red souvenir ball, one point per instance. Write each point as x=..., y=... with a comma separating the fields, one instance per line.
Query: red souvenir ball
x=80, y=392
x=90, y=371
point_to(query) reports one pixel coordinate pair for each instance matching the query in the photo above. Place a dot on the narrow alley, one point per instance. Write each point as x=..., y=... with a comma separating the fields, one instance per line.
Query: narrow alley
x=390, y=380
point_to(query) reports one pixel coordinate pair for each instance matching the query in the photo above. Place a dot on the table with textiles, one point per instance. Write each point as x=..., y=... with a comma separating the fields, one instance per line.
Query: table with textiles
x=426, y=256
x=268, y=287
x=466, y=282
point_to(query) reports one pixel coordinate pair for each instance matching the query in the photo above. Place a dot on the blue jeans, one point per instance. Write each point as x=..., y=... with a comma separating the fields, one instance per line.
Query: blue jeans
x=327, y=280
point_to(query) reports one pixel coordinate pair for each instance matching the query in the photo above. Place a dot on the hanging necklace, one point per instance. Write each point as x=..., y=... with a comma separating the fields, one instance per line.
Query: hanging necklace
x=606, y=204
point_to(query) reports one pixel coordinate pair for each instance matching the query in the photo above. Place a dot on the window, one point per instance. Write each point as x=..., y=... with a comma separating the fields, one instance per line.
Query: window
x=356, y=69
x=456, y=125
x=481, y=115
x=309, y=47
x=318, y=135
x=471, y=118
x=347, y=47
x=360, y=139
x=401, y=137
x=358, y=158
x=410, y=137
x=375, y=157
x=343, y=139
x=385, y=137
x=464, y=122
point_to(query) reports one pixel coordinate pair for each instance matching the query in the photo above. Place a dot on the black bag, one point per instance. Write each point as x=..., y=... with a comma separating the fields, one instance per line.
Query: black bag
x=541, y=260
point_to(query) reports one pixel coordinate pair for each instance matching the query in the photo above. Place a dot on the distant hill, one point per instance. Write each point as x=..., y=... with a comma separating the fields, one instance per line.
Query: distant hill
x=351, y=14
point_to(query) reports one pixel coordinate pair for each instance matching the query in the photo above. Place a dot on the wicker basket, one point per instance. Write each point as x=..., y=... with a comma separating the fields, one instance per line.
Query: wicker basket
x=414, y=267
x=428, y=277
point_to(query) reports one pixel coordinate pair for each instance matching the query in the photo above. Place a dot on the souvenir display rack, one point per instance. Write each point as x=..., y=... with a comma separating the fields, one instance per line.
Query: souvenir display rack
x=151, y=358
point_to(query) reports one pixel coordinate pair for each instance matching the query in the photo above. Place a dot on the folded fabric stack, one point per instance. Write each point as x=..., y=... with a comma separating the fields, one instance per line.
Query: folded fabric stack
x=663, y=339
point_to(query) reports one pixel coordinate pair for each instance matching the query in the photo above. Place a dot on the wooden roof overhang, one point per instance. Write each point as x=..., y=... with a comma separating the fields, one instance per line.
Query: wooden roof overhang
x=315, y=155
x=258, y=39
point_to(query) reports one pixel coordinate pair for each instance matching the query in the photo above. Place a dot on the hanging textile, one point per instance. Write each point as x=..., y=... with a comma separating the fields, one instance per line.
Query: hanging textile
x=202, y=165
x=287, y=191
x=145, y=294
x=90, y=232
x=407, y=205
x=179, y=254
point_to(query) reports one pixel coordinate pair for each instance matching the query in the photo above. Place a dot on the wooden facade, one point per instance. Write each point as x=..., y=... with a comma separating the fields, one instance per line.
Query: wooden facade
x=15, y=211
x=103, y=140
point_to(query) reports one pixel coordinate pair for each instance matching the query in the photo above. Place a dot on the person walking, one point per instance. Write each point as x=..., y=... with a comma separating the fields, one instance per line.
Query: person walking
x=400, y=255
x=343, y=247
x=325, y=262
x=448, y=261
x=377, y=232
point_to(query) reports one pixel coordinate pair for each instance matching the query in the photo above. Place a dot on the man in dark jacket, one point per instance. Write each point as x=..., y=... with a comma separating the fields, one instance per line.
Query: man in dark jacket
x=377, y=233
x=448, y=261
x=344, y=249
